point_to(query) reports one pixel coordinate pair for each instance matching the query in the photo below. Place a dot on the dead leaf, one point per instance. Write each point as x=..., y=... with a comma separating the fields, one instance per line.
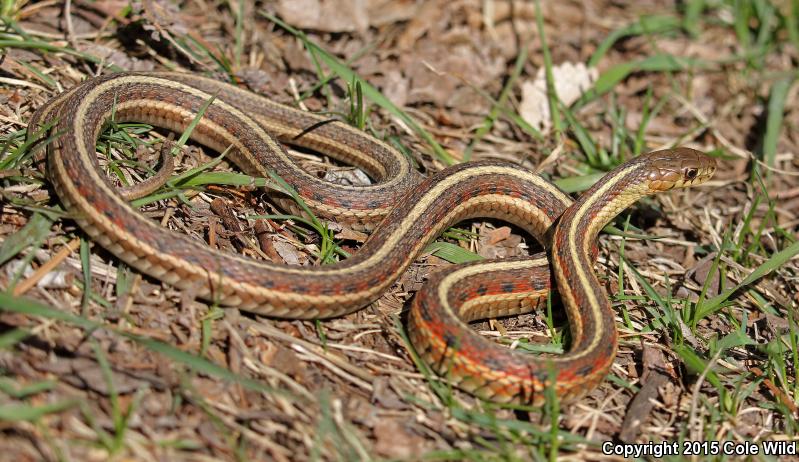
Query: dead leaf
x=384, y=396
x=285, y=361
x=348, y=177
x=641, y=406
x=117, y=57
x=86, y=373
x=349, y=234
x=393, y=439
x=496, y=235
x=383, y=12
x=325, y=15
x=289, y=253
x=701, y=272
x=396, y=87
x=498, y=242
x=437, y=71
x=571, y=81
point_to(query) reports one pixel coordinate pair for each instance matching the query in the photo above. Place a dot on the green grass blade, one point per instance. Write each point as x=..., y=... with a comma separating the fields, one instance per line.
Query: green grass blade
x=645, y=25
x=584, y=139
x=451, y=252
x=37, y=228
x=776, y=111
x=33, y=308
x=11, y=337
x=697, y=365
x=691, y=16
x=16, y=391
x=17, y=412
x=657, y=63
x=86, y=266
x=44, y=46
x=578, y=183
x=496, y=108
x=552, y=94
x=774, y=262
x=348, y=75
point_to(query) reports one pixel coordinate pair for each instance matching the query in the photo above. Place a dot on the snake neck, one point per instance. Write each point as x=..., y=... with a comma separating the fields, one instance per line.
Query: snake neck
x=582, y=222
x=590, y=316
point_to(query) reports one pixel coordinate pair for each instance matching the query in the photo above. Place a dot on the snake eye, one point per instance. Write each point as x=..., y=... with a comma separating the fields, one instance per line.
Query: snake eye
x=691, y=173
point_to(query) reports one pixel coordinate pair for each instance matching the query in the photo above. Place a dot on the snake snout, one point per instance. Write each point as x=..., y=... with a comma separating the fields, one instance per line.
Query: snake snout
x=698, y=169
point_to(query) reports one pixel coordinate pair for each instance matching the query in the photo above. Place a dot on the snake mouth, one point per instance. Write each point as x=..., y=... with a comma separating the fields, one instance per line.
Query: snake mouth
x=657, y=186
x=660, y=180
x=702, y=176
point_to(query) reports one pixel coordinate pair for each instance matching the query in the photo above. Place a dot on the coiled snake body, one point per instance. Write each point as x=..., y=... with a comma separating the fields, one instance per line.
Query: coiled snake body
x=410, y=210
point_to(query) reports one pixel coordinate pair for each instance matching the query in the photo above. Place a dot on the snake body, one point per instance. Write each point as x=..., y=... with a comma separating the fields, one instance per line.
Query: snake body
x=405, y=210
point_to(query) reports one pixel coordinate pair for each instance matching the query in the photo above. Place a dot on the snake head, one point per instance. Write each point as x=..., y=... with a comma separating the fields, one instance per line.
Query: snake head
x=678, y=168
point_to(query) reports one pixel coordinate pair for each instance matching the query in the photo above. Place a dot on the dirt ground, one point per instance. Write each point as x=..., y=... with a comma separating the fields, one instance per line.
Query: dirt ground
x=134, y=369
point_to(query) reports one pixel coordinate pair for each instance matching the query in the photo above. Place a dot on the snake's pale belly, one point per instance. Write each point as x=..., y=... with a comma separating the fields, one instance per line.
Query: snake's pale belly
x=405, y=210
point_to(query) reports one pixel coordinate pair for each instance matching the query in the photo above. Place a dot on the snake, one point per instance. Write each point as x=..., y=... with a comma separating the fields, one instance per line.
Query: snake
x=403, y=209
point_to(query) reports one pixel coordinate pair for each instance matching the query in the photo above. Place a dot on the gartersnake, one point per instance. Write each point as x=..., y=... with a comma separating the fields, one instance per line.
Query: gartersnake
x=411, y=210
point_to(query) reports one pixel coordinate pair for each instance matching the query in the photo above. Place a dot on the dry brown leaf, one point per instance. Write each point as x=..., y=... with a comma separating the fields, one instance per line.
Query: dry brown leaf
x=325, y=15
x=289, y=253
x=117, y=57
x=701, y=272
x=383, y=12
x=351, y=235
x=394, y=439
x=496, y=235
x=348, y=177
x=571, y=81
